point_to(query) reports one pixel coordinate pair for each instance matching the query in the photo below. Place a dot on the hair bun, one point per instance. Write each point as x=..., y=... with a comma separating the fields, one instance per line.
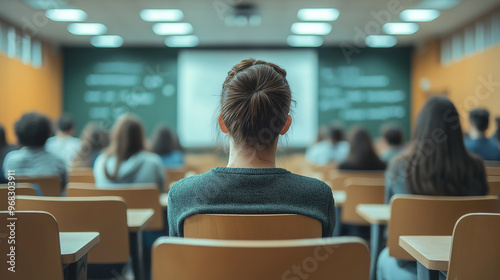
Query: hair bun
x=249, y=62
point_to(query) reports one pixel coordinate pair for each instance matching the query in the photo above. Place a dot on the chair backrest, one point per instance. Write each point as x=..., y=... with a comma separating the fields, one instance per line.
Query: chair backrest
x=106, y=215
x=49, y=186
x=494, y=185
x=361, y=192
x=81, y=175
x=431, y=215
x=493, y=170
x=135, y=197
x=338, y=177
x=11, y=192
x=340, y=258
x=251, y=227
x=475, y=251
x=37, y=248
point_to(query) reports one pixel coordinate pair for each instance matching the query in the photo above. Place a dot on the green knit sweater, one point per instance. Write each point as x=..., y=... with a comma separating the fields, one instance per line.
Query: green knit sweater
x=225, y=190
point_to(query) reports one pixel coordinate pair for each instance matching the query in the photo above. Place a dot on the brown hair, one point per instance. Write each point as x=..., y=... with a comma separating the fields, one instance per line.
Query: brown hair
x=438, y=163
x=164, y=141
x=95, y=138
x=255, y=103
x=361, y=152
x=127, y=139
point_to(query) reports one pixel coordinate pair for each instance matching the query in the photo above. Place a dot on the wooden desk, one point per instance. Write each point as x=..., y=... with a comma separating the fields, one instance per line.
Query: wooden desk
x=378, y=216
x=74, y=249
x=164, y=200
x=431, y=252
x=339, y=197
x=137, y=219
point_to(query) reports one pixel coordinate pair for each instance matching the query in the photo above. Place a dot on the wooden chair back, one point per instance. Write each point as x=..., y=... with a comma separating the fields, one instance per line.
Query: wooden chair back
x=12, y=192
x=106, y=215
x=431, y=215
x=493, y=170
x=38, y=251
x=494, y=185
x=135, y=197
x=475, y=251
x=339, y=258
x=48, y=186
x=338, y=177
x=251, y=227
x=361, y=191
x=81, y=175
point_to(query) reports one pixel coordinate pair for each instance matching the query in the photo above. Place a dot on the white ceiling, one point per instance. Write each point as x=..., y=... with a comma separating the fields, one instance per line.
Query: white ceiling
x=122, y=18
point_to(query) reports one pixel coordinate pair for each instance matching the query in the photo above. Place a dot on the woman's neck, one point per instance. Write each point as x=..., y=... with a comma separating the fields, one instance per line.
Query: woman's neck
x=251, y=158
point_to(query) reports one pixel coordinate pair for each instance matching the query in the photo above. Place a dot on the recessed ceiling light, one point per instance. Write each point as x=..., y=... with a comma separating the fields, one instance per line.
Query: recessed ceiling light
x=419, y=15
x=87, y=28
x=311, y=28
x=318, y=14
x=66, y=15
x=304, y=41
x=438, y=4
x=180, y=28
x=381, y=41
x=107, y=41
x=400, y=28
x=188, y=41
x=162, y=15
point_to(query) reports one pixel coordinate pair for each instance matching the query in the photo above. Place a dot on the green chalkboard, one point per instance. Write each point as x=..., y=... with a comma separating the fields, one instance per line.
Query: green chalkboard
x=368, y=87
x=102, y=84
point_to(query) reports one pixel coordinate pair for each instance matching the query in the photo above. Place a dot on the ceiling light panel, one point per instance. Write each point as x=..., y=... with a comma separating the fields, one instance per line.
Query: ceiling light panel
x=318, y=14
x=179, y=28
x=162, y=15
x=311, y=28
x=381, y=41
x=187, y=41
x=107, y=41
x=400, y=28
x=304, y=41
x=66, y=15
x=87, y=28
x=419, y=15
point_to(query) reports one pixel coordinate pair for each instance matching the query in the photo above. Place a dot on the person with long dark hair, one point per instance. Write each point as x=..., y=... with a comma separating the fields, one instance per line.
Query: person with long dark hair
x=167, y=146
x=437, y=163
x=94, y=140
x=126, y=161
x=254, y=111
x=361, y=155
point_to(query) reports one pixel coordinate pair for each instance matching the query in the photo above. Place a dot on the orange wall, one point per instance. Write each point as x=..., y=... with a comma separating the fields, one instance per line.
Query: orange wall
x=470, y=83
x=24, y=88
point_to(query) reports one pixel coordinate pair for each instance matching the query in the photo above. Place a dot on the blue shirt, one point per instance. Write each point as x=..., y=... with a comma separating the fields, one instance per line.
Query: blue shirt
x=483, y=147
x=173, y=160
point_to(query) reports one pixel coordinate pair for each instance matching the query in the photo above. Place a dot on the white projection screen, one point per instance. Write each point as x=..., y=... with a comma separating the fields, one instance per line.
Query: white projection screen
x=202, y=72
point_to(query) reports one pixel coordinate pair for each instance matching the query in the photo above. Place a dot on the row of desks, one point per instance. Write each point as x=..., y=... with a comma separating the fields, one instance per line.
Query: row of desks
x=76, y=245
x=431, y=252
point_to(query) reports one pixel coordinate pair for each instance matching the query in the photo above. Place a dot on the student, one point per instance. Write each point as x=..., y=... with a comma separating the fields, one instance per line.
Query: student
x=255, y=107
x=126, y=161
x=361, y=156
x=165, y=144
x=94, y=140
x=393, y=141
x=5, y=148
x=32, y=160
x=436, y=163
x=477, y=143
x=64, y=144
x=332, y=149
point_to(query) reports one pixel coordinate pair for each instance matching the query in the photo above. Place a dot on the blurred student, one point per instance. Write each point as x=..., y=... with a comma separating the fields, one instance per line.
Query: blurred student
x=32, y=160
x=496, y=136
x=5, y=148
x=477, y=143
x=254, y=111
x=94, y=140
x=436, y=163
x=166, y=145
x=126, y=161
x=64, y=144
x=332, y=149
x=361, y=155
x=393, y=141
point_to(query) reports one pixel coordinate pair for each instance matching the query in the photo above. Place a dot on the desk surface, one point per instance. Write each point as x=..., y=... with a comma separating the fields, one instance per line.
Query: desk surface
x=137, y=219
x=433, y=252
x=339, y=197
x=74, y=245
x=378, y=214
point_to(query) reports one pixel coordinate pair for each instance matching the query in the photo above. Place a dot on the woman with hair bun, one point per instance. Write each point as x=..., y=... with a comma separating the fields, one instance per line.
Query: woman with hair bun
x=254, y=112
